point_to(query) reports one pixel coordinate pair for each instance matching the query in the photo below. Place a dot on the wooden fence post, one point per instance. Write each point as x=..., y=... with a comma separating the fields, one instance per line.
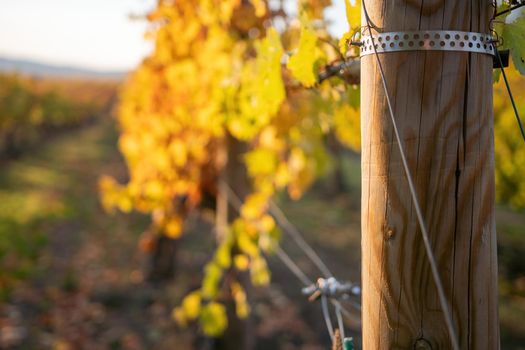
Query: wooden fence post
x=443, y=106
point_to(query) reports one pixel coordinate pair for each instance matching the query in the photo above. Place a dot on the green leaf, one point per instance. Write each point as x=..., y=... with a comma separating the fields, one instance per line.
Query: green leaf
x=514, y=38
x=496, y=74
x=223, y=253
x=212, y=277
x=214, y=319
x=354, y=97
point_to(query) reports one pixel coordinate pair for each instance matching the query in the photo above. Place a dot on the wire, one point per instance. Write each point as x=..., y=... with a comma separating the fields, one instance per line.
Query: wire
x=326, y=315
x=343, y=310
x=510, y=93
x=235, y=201
x=283, y=221
x=303, y=278
x=292, y=266
x=424, y=232
x=512, y=8
x=233, y=198
x=340, y=323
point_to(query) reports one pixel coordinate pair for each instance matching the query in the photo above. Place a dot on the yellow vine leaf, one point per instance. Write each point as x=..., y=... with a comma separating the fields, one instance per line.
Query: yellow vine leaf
x=191, y=305
x=241, y=304
x=302, y=63
x=241, y=262
x=247, y=244
x=353, y=13
x=282, y=175
x=266, y=223
x=346, y=122
x=260, y=162
x=260, y=275
x=212, y=276
x=223, y=253
x=261, y=90
x=173, y=227
x=353, y=17
x=254, y=206
x=213, y=319
x=260, y=7
x=114, y=195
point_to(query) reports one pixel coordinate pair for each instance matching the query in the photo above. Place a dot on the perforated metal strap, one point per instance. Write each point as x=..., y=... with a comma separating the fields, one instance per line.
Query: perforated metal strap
x=428, y=40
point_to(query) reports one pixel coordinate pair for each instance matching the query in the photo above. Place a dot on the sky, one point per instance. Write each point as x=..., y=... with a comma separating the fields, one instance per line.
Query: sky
x=95, y=34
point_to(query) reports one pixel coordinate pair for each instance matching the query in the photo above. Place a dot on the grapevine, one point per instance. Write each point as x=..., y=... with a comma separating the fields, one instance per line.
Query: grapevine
x=221, y=69
x=179, y=107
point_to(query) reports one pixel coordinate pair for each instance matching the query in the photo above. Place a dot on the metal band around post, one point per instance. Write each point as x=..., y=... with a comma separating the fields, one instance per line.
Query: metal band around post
x=428, y=40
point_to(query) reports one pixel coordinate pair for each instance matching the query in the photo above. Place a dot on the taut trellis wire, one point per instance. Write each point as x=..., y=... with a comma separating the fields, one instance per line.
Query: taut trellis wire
x=326, y=289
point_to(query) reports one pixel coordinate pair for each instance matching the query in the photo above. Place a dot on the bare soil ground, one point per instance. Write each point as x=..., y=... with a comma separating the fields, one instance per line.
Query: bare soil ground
x=86, y=286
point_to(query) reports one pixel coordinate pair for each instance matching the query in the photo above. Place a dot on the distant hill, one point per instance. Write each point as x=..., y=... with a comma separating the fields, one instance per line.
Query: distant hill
x=39, y=69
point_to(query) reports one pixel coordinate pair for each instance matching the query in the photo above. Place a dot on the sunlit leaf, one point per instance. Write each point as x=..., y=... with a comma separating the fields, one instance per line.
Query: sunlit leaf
x=353, y=13
x=223, y=254
x=213, y=319
x=191, y=305
x=241, y=262
x=254, y=206
x=247, y=245
x=260, y=274
x=302, y=63
x=514, y=38
x=260, y=7
x=241, y=303
x=173, y=227
x=261, y=161
x=210, y=283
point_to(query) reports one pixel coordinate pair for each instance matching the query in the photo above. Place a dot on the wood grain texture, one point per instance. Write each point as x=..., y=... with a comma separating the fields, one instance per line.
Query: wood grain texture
x=443, y=106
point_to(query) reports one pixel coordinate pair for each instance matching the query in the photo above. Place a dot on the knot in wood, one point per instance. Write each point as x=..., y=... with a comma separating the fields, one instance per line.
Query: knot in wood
x=389, y=233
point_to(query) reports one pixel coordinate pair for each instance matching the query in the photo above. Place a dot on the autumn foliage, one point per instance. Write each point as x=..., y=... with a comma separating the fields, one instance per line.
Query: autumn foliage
x=241, y=69
x=32, y=108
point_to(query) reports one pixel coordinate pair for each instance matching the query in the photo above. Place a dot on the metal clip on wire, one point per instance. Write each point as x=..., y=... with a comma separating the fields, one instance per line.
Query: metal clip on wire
x=331, y=288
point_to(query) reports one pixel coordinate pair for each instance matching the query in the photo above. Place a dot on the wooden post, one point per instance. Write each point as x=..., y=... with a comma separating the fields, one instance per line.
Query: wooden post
x=443, y=105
